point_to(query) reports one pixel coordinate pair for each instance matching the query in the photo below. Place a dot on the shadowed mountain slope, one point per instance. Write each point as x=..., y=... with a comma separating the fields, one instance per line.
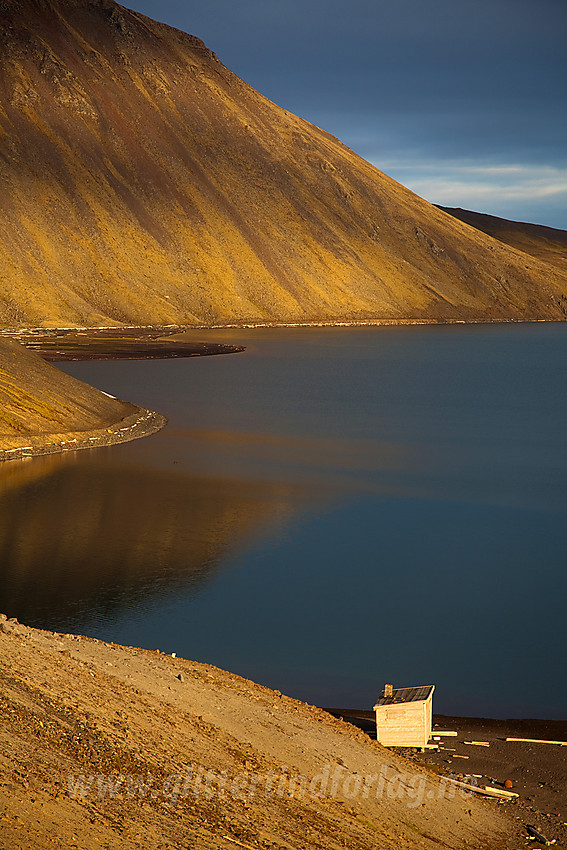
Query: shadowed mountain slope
x=544, y=243
x=143, y=182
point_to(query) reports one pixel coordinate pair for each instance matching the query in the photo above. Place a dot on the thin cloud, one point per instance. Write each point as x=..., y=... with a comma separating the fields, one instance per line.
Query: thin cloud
x=450, y=191
x=500, y=189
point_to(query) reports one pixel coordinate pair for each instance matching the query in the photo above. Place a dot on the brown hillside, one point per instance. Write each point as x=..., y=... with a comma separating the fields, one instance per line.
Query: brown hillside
x=143, y=182
x=544, y=243
x=184, y=755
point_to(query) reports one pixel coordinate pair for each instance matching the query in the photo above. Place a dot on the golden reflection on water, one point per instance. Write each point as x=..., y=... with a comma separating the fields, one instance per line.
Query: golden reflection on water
x=332, y=453
x=88, y=534
x=321, y=465
x=81, y=535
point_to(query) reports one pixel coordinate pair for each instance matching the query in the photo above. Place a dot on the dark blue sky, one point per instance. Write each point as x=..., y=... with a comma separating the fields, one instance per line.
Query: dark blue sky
x=464, y=101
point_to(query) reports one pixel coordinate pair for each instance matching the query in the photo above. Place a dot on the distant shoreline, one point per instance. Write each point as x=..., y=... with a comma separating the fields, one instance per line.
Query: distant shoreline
x=152, y=342
x=15, y=332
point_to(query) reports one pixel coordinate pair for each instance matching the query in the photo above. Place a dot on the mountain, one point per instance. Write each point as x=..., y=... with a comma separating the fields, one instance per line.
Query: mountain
x=544, y=243
x=144, y=183
x=44, y=410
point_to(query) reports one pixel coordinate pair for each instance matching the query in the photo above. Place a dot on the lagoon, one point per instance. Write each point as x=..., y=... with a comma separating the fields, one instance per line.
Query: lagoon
x=330, y=510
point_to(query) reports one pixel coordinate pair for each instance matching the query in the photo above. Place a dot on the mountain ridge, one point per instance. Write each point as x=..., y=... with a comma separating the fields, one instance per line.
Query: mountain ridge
x=539, y=240
x=145, y=183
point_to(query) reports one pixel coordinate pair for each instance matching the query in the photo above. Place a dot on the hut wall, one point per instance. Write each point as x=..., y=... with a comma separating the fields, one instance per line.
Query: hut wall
x=404, y=724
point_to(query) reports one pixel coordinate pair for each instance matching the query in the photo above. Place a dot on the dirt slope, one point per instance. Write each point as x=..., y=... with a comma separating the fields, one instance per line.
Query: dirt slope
x=143, y=182
x=543, y=243
x=44, y=410
x=207, y=760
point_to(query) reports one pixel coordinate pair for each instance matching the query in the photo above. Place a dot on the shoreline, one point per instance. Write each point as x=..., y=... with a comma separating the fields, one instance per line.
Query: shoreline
x=14, y=332
x=151, y=342
x=80, y=344
x=140, y=424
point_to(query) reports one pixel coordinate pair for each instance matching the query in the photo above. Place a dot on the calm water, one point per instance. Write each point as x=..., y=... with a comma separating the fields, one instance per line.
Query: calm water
x=329, y=511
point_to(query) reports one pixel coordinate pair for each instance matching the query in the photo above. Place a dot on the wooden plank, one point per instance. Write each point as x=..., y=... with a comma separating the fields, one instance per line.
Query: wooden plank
x=538, y=741
x=477, y=743
x=501, y=792
x=489, y=792
x=445, y=734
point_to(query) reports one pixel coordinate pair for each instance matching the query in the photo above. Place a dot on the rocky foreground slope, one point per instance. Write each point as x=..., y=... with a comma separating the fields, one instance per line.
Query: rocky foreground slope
x=143, y=182
x=107, y=746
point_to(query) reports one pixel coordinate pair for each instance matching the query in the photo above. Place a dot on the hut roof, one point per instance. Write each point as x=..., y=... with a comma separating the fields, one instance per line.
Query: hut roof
x=401, y=695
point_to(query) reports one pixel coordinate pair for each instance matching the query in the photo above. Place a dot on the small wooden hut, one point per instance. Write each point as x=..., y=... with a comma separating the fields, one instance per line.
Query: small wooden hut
x=404, y=716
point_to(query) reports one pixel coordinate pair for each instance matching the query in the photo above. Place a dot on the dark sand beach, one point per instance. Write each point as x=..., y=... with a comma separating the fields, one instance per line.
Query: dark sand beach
x=537, y=771
x=115, y=343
